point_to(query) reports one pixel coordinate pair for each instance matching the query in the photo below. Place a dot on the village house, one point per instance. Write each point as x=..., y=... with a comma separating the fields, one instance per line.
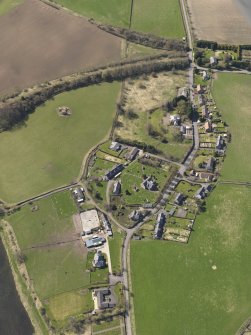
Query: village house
x=200, y=194
x=115, y=146
x=99, y=260
x=204, y=112
x=114, y=172
x=179, y=199
x=79, y=195
x=201, y=100
x=199, y=89
x=105, y=298
x=210, y=164
x=132, y=154
x=159, y=228
x=117, y=188
x=183, y=93
x=213, y=60
x=206, y=176
x=205, y=75
x=208, y=127
x=150, y=184
x=175, y=120
x=106, y=224
x=135, y=216
x=220, y=144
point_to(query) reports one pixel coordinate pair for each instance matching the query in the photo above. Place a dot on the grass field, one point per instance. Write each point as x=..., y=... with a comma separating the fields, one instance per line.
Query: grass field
x=162, y=18
x=115, y=244
x=115, y=12
x=233, y=98
x=52, y=221
x=48, y=151
x=202, y=288
x=7, y=5
x=55, y=259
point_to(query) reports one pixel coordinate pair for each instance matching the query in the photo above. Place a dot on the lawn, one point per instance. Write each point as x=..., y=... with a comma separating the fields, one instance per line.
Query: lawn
x=161, y=18
x=48, y=151
x=66, y=304
x=233, y=98
x=56, y=270
x=51, y=222
x=7, y=5
x=115, y=12
x=204, y=287
x=115, y=322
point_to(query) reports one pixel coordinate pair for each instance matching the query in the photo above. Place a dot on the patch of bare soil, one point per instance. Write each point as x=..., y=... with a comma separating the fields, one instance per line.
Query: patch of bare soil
x=219, y=20
x=40, y=43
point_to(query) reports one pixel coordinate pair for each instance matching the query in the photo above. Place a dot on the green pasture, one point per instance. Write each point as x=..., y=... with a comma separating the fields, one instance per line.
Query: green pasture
x=57, y=269
x=106, y=325
x=233, y=98
x=48, y=151
x=204, y=287
x=161, y=18
x=47, y=224
x=115, y=12
x=7, y=5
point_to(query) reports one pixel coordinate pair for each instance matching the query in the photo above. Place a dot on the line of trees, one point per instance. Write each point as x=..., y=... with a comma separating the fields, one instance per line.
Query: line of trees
x=14, y=111
x=147, y=40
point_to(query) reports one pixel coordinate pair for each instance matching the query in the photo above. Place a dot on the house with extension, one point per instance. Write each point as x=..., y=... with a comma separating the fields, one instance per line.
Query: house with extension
x=220, y=144
x=104, y=297
x=99, y=260
x=183, y=93
x=204, y=112
x=135, y=216
x=106, y=224
x=150, y=184
x=208, y=127
x=200, y=194
x=115, y=146
x=213, y=60
x=79, y=195
x=201, y=100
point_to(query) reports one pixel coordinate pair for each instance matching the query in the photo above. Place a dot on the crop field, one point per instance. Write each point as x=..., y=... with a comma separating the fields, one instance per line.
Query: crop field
x=48, y=151
x=161, y=18
x=209, y=23
x=202, y=288
x=233, y=98
x=115, y=12
x=56, y=42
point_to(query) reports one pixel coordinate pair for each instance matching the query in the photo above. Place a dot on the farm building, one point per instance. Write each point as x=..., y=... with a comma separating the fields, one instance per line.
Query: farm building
x=115, y=171
x=99, y=260
x=105, y=298
x=94, y=242
x=90, y=221
x=132, y=154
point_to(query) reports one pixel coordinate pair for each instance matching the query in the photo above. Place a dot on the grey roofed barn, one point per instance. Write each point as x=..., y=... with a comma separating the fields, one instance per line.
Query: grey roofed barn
x=114, y=172
x=131, y=155
x=159, y=228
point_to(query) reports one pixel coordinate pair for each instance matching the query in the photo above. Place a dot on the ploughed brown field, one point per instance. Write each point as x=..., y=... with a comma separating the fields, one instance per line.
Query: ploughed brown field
x=220, y=20
x=39, y=43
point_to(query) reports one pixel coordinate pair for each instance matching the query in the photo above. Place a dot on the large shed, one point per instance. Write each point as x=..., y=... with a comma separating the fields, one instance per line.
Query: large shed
x=90, y=221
